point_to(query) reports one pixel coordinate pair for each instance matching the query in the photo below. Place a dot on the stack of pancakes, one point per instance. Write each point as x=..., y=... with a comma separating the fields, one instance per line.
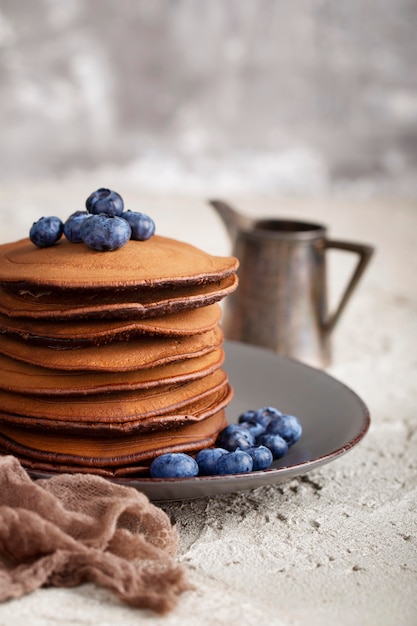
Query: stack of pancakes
x=108, y=359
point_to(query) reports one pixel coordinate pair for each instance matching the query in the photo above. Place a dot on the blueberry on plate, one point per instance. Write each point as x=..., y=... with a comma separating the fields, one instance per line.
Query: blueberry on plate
x=254, y=427
x=73, y=224
x=237, y=462
x=143, y=226
x=46, y=231
x=247, y=416
x=234, y=436
x=174, y=465
x=262, y=457
x=105, y=201
x=105, y=232
x=207, y=460
x=275, y=443
x=266, y=414
x=287, y=426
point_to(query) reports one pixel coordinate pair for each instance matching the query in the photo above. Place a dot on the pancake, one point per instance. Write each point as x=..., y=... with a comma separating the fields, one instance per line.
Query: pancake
x=109, y=359
x=24, y=378
x=68, y=304
x=117, y=356
x=115, y=408
x=195, y=411
x=157, y=262
x=114, y=456
x=79, y=332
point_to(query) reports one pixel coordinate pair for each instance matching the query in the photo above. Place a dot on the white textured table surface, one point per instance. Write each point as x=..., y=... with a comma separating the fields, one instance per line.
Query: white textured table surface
x=337, y=546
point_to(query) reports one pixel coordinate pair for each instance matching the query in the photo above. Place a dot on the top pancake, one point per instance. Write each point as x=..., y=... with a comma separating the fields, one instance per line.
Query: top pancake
x=157, y=262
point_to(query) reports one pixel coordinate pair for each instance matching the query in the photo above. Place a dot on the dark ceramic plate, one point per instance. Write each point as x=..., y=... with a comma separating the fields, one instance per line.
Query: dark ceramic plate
x=333, y=417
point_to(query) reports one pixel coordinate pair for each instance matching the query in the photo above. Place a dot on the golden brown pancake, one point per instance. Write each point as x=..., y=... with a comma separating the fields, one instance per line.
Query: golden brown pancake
x=109, y=359
x=196, y=411
x=24, y=378
x=157, y=262
x=125, y=304
x=115, y=408
x=117, y=356
x=51, y=450
x=80, y=332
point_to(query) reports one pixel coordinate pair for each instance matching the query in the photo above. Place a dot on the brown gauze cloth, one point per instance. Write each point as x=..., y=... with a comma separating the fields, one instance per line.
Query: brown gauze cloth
x=72, y=529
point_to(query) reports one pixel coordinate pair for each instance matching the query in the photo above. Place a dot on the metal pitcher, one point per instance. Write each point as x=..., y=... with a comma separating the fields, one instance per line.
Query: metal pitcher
x=281, y=301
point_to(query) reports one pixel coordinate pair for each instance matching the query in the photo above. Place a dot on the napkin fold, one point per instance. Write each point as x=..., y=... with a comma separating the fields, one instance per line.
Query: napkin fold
x=76, y=528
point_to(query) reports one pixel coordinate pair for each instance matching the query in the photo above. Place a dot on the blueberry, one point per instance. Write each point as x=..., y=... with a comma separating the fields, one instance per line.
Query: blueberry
x=237, y=462
x=247, y=416
x=143, y=226
x=265, y=415
x=275, y=443
x=173, y=465
x=46, y=231
x=73, y=225
x=105, y=232
x=262, y=457
x=105, y=201
x=234, y=436
x=207, y=459
x=254, y=427
x=287, y=426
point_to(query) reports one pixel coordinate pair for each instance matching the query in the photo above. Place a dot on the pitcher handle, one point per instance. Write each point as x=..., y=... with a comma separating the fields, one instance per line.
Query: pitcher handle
x=365, y=253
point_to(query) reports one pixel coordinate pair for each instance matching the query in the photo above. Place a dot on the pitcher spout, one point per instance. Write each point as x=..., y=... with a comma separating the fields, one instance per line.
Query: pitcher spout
x=232, y=219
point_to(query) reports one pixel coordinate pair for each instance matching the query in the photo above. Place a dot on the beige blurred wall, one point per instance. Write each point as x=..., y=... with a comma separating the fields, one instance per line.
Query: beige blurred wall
x=280, y=95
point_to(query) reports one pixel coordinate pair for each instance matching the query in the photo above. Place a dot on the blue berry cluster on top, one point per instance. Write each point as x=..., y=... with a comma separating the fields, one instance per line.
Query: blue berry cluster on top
x=258, y=439
x=103, y=226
